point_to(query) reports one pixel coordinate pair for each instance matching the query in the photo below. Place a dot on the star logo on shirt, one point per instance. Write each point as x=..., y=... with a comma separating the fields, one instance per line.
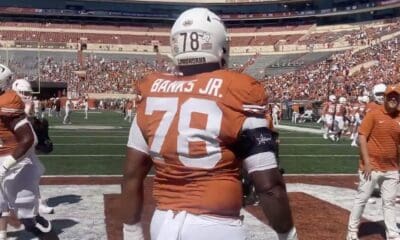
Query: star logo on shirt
x=262, y=139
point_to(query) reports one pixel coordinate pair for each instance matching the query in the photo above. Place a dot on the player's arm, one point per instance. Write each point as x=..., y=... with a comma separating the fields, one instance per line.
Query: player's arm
x=136, y=167
x=364, y=132
x=324, y=109
x=25, y=136
x=255, y=144
x=23, y=132
x=271, y=190
x=257, y=147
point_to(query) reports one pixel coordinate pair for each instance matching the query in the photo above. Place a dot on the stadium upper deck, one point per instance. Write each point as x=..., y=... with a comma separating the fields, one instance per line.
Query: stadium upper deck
x=244, y=13
x=47, y=25
x=208, y=1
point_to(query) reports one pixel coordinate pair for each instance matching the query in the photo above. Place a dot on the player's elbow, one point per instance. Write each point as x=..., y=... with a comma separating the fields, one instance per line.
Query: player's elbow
x=275, y=189
x=25, y=138
x=275, y=195
x=26, y=142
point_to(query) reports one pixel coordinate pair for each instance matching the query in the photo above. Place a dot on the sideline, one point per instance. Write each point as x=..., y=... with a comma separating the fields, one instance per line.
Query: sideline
x=299, y=129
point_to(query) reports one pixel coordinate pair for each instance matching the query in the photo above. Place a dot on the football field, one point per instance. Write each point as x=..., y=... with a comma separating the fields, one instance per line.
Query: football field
x=96, y=146
x=86, y=205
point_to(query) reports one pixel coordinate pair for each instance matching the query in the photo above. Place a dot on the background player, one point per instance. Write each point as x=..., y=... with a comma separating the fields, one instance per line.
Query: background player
x=358, y=117
x=68, y=111
x=23, y=88
x=20, y=169
x=328, y=111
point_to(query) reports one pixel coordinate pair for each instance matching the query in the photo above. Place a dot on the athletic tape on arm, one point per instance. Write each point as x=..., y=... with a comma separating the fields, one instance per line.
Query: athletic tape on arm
x=257, y=145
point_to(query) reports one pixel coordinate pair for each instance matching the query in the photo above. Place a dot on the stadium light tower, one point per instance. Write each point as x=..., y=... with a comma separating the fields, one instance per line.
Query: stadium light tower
x=39, y=76
x=330, y=77
x=82, y=46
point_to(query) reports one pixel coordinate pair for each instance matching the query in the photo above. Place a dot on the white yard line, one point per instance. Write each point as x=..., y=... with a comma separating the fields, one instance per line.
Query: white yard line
x=299, y=129
x=152, y=175
x=284, y=137
x=122, y=155
x=318, y=155
x=314, y=144
x=83, y=136
x=90, y=144
x=82, y=155
x=124, y=144
x=115, y=136
x=89, y=131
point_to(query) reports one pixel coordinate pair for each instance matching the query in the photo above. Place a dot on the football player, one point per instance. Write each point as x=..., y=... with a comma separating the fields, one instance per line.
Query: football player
x=86, y=107
x=328, y=111
x=24, y=89
x=68, y=111
x=198, y=128
x=359, y=115
x=339, y=114
x=20, y=170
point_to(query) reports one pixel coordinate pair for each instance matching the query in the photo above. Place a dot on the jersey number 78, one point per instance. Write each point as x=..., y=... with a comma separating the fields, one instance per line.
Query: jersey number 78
x=186, y=133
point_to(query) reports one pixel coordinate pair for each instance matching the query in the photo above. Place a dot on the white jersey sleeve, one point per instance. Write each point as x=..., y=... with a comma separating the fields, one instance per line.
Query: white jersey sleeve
x=136, y=139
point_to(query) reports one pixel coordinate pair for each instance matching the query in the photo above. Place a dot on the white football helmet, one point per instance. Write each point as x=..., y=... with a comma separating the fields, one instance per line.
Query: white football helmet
x=22, y=87
x=342, y=100
x=365, y=99
x=332, y=98
x=199, y=36
x=5, y=77
x=378, y=92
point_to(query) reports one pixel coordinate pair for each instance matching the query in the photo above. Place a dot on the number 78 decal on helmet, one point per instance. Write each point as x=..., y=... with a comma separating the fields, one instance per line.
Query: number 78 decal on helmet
x=199, y=36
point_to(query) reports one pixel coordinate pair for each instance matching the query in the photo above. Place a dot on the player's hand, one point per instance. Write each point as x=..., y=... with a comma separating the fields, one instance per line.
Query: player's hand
x=134, y=231
x=7, y=162
x=367, y=171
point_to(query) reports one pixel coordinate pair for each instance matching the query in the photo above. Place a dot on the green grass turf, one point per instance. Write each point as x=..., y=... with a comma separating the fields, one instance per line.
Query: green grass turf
x=101, y=152
x=305, y=124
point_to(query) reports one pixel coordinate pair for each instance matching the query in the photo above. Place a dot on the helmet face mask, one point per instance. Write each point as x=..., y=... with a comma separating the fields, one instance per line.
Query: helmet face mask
x=198, y=37
x=365, y=99
x=332, y=98
x=379, y=98
x=378, y=93
x=25, y=95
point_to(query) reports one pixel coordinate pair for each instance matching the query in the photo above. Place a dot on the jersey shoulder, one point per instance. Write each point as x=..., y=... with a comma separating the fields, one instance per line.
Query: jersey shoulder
x=244, y=88
x=148, y=80
x=11, y=104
